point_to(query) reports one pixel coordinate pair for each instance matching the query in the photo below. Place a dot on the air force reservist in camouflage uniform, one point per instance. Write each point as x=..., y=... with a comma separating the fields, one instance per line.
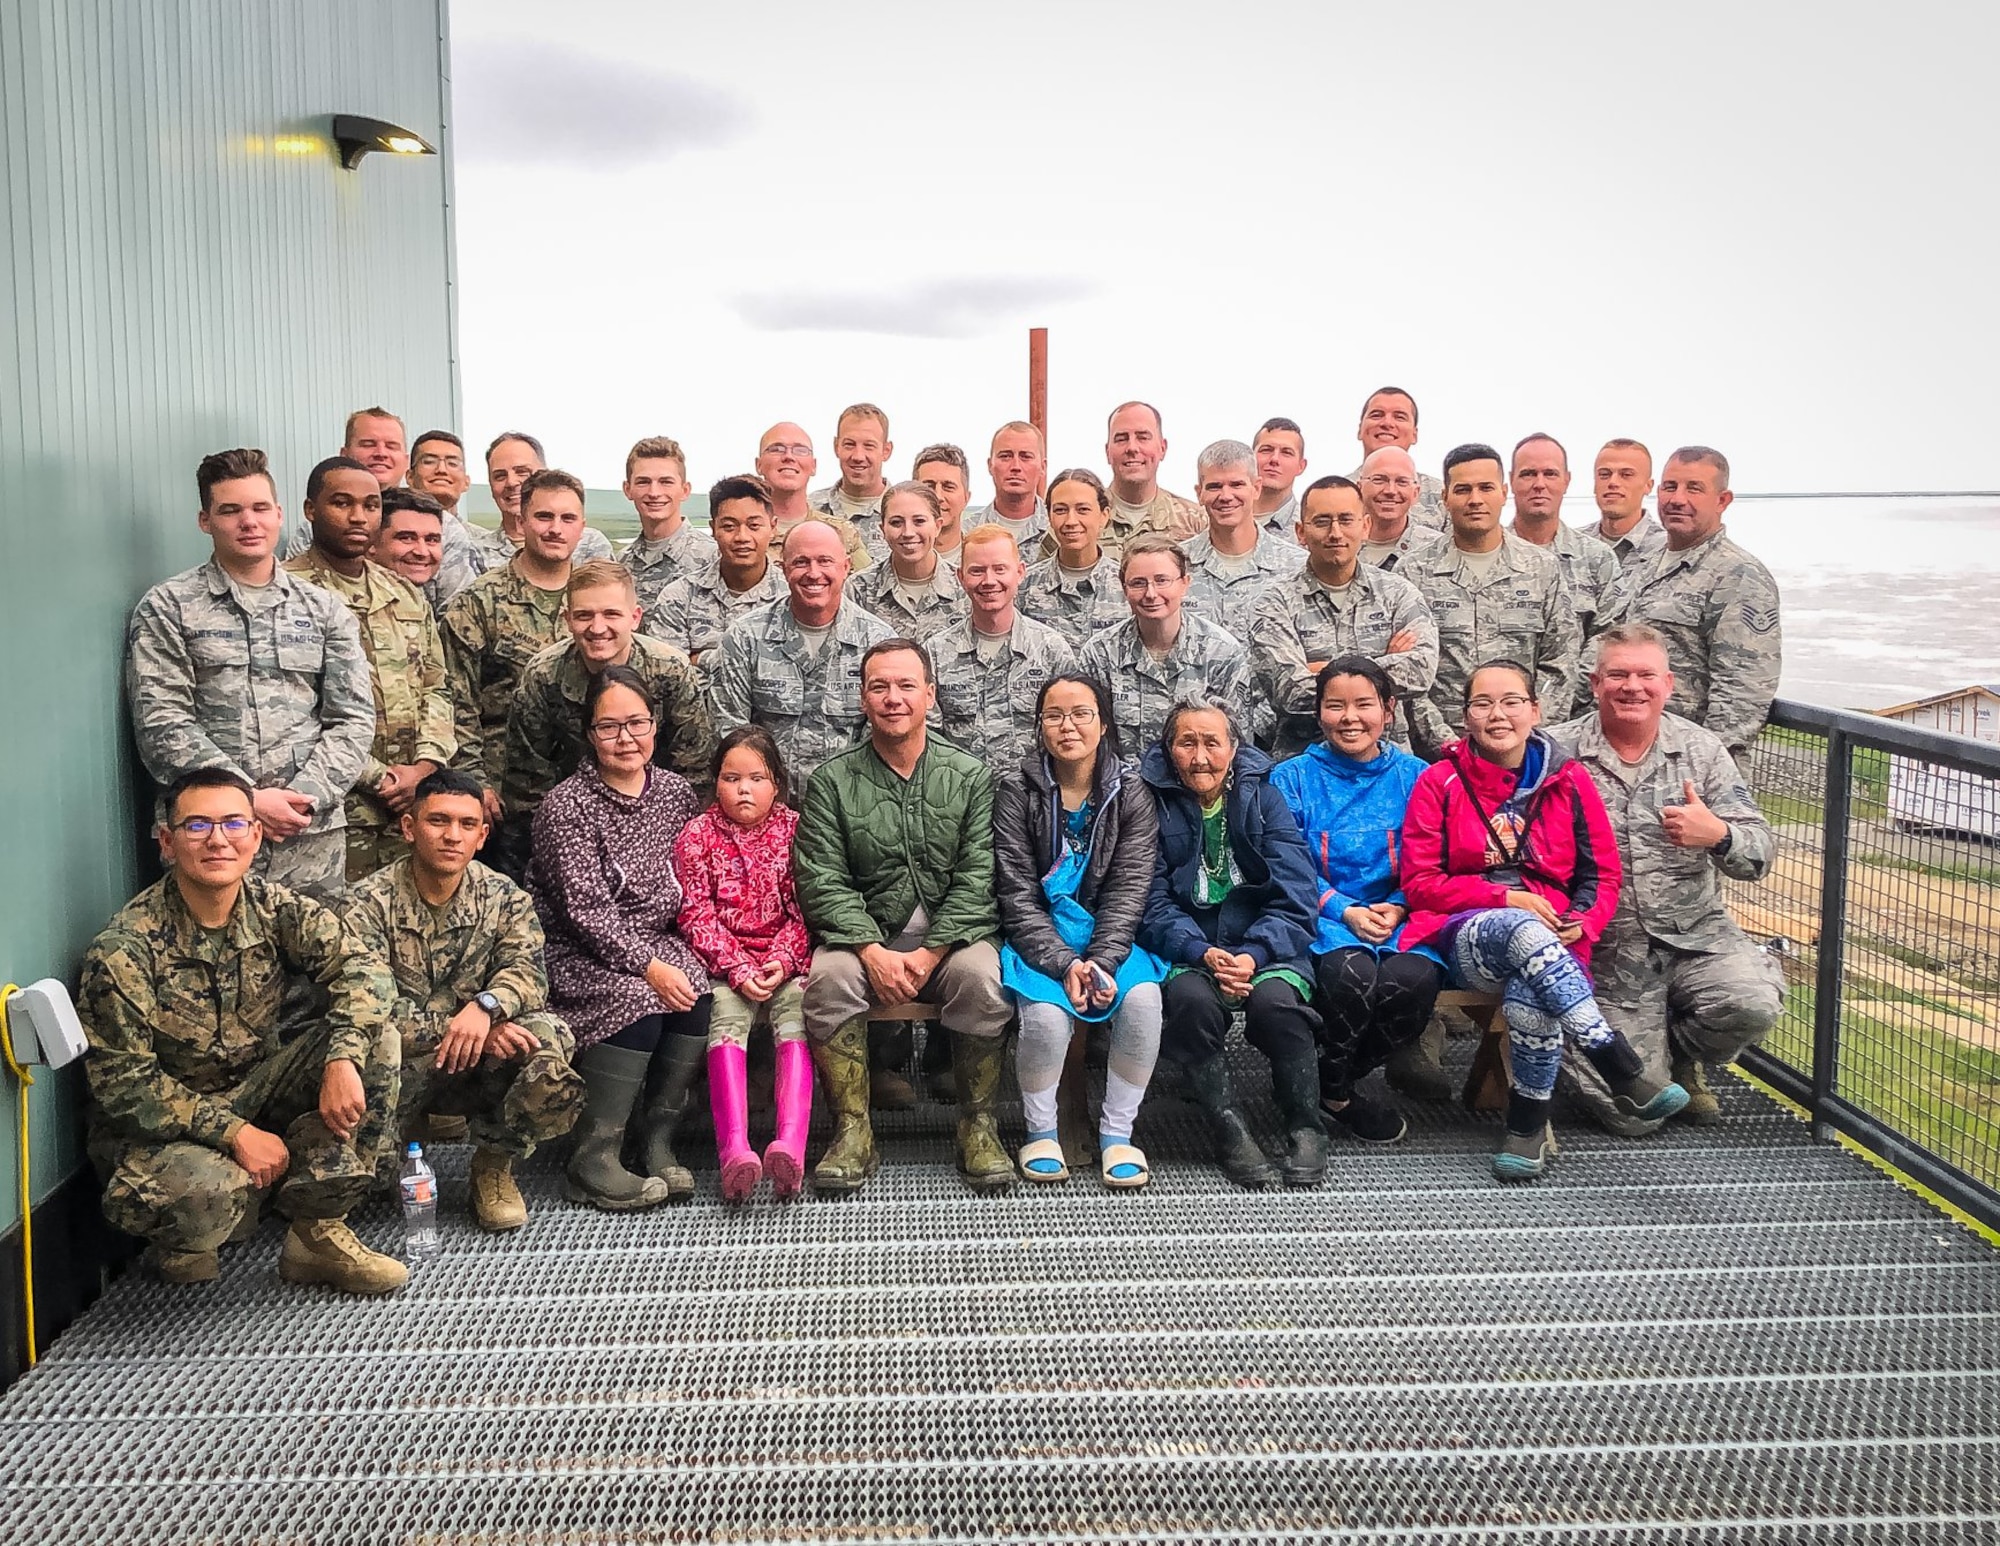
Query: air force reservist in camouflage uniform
x=1076, y=590
x=667, y=546
x=741, y=575
x=861, y=448
x=1234, y=560
x=1016, y=462
x=1389, y=418
x=1673, y=971
x=1135, y=443
x=413, y=713
x=1280, y=447
x=197, y=1110
x=1716, y=606
x=438, y=470
x=1336, y=606
x=239, y=665
x=1620, y=482
x=1389, y=490
x=794, y=666
x=1493, y=596
x=465, y=947
x=912, y=590
x=786, y=463
x=990, y=665
x=1540, y=479
x=943, y=469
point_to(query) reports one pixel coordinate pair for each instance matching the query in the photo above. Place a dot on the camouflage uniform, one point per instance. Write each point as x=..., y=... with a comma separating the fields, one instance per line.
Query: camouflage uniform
x=859, y=555
x=1427, y=509
x=1521, y=609
x=988, y=709
x=1206, y=661
x=1224, y=588
x=1673, y=971
x=1594, y=577
x=692, y=612
x=811, y=703
x=1032, y=534
x=491, y=632
x=1076, y=603
x=1179, y=518
x=940, y=601
x=413, y=713
x=1717, y=608
x=1283, y=521
x=184, y=1050
x=1645, y=539
x=486, y=939
x=656, y=565
x=270, y=683
x=1417, y=544
x=469, y=551
x=1302, y=620
x=545, y=736
x=863, y=517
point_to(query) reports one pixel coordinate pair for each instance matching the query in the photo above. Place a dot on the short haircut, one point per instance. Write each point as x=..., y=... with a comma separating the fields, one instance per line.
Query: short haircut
x=1151, y=542
x=1355, y=665
x=435, y=434
x=862, y=411
x=1391, y=391
x=1109, y=745
x=919, y=490
x=1499, y=663
x=206, y=778
x=1223, y=453
x=377, y=412
x=815, y=519
x=316, y=479
x=1472, y=451
x=399, y=498
x=1285, y=425
x=1626, y=443
x=944, y=451
x=1528, y=440
x=990, y=531
x=1632, y=634
x=1201, y=706
x=226, y=466
x=602, y=683
x=449, y=781
x=1159, y=425
x=895, y=646
x=764, y=744
x=741, y=485
x=1709, y=455
x=600, y=572
x=1331, y=480
x=657, y=447
x=1018, y=427
x=524, y=437
x=548, y=478
x=1086, y=477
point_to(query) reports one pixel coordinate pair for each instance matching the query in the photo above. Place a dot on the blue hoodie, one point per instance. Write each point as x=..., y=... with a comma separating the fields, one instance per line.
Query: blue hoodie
x=1352, y=816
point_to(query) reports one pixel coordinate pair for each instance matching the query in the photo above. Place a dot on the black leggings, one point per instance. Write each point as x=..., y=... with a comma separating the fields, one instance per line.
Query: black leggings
x=1276, y=1020
x=644, y=1033
x=1369, y=1005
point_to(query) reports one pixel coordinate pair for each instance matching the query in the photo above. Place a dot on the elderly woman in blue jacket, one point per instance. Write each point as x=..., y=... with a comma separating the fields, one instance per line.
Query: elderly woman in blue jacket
x=1348, y=793
x=1231, y=911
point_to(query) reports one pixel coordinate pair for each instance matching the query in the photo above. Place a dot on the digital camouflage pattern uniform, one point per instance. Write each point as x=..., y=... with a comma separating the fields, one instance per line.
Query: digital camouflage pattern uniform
x=1717, y=608
x=491, y=632
x=1418, y=543
x=693, y=611
x=1206, y=661
x=1283, y=521
x=987, y=707
x=545, y=734
x=1076, y=603
x=656, y=565
x=1521, y=609
x=486, y=939
x=859, y=555
x=1673, y=971
x=1645, y=539
x=1595, y=578
x=184, y=1050
x=1224, y=587
x=469, y=551
x=911, y=611
x=1030, y=535
x=1427, y=509
x=1179, y=518
x=269, y=682
x=763, y=673
x=413, y=712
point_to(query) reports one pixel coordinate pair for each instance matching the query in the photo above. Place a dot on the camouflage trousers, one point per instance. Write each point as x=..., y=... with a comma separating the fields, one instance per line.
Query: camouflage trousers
x=1671, y=1005
x=312, y=862
x=371, y=847
x=510, y=1106
x=185, y=1196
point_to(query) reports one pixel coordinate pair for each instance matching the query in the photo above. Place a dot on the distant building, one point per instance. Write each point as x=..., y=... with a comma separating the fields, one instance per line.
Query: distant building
x=1927, y=796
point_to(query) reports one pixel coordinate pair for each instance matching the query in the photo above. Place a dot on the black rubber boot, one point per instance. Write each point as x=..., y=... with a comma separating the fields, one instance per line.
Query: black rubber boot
x=1296, y=1085
x=1235, y=1150
x=668, y=1077
x=889, y=1046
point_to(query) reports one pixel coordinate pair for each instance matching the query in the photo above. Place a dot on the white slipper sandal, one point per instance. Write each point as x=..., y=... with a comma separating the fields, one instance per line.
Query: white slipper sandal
x=1041, y=1159
x=1123, y=1154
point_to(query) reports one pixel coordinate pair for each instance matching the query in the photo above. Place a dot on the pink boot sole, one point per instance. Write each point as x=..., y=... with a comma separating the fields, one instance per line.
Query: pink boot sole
x=786, y=1170
x=740, y=1177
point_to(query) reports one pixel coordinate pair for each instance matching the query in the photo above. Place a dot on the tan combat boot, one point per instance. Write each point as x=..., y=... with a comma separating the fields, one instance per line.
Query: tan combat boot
x=326, y=1251
x=496, y=1201
x=186, y=1266
x=1702, y=1109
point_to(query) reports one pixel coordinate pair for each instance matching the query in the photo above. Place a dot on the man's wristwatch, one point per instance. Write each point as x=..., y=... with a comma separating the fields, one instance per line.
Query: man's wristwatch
x=489, y=1003
x=1721, y=849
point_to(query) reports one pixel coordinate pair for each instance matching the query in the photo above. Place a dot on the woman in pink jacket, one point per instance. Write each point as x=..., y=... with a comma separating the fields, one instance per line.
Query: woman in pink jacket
x=1511, y=870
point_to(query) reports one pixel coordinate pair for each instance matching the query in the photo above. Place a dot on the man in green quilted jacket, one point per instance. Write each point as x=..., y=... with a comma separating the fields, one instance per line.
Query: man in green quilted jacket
x=894, y=867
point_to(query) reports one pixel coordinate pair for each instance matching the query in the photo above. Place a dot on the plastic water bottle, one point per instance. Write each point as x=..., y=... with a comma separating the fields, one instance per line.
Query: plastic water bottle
x=420, y=1207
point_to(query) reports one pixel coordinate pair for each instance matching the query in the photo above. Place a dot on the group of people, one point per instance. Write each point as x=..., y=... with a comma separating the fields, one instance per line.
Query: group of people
x=509, y=832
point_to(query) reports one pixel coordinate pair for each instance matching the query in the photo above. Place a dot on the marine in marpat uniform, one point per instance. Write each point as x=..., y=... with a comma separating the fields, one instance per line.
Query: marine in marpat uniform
x=414, y=734
x=1540, y=479
x=197, y=1109
x=478, y=1041
x=237, y=664
x=742, y=575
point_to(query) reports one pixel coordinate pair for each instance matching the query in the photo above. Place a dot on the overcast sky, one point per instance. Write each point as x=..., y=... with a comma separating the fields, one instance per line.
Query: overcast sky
x=1766, y=227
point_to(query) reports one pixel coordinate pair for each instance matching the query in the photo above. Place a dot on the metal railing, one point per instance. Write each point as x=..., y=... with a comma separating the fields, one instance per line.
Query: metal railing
x=1885, y=903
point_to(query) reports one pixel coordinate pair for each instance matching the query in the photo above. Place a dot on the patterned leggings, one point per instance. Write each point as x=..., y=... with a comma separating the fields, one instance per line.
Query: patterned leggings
x=1545, y=993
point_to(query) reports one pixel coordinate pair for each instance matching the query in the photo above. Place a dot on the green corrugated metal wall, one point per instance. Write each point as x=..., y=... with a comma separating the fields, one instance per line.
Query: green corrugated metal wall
x=184, y=267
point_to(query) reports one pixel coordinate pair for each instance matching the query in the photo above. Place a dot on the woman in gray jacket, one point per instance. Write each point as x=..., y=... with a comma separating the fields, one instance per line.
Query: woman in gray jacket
x=1075, y=840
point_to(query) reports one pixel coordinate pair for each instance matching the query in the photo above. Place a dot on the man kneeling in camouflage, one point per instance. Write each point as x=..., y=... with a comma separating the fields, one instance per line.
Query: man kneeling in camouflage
x=1674, y=973
x=466, y=950
x=197, y=1109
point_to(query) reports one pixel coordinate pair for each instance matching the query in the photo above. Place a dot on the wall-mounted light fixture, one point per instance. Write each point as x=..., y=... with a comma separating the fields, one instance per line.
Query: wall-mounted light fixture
x=356, y=136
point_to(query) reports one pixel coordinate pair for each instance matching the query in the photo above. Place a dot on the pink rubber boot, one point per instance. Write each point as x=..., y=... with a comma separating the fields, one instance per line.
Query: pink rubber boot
x=785, y=1159
x=727, y=1082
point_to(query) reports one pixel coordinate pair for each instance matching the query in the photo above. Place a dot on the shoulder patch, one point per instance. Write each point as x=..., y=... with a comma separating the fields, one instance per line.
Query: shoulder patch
x=1758, y=619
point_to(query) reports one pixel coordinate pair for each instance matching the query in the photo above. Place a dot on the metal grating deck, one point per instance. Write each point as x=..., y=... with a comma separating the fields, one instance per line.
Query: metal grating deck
x=1723, y=1336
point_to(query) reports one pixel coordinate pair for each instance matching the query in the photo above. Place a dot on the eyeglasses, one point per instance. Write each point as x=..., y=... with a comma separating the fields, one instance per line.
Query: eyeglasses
x=1383, y=480
x=1085, y=715
x=1326, y=523
x=233, y=827
x=1142, y=586
x=777, y=449
x=452, y=463
x=1513, y=703
x=609, y=730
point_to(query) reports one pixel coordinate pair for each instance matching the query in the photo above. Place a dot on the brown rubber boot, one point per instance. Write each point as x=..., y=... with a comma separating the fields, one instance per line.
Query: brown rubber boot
x=497, y=1203
x=842, y=1060
x=1702, y=1108
x=982, y=1160
x=326, y=1251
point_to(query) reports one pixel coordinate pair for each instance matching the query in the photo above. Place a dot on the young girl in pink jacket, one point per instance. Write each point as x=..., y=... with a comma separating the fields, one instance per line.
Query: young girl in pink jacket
x=741, y=916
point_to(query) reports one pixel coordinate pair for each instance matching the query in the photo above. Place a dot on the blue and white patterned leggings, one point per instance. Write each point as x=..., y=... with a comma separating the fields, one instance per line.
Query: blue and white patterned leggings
x=1545, y=994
